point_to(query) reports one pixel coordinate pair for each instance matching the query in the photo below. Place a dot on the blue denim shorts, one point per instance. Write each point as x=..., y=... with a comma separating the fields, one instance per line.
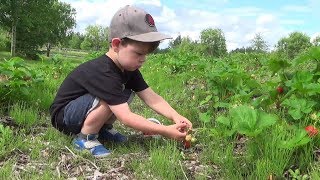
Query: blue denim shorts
x=76, y=111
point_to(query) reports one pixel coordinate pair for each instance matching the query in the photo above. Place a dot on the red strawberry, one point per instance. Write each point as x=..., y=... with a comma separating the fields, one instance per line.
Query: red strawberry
x=187, y=141
x=312, y=131
x=280, y=89
x=187, y=144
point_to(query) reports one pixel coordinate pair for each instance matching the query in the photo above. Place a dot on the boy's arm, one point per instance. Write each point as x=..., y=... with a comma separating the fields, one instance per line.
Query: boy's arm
x=158, y=104
x=135, y=121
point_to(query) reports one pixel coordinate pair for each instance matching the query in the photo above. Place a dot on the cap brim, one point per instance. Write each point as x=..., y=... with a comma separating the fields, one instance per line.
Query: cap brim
x=150, y=37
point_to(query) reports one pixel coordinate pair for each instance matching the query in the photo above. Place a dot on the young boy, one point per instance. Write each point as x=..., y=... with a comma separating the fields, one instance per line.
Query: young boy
x=98, y=91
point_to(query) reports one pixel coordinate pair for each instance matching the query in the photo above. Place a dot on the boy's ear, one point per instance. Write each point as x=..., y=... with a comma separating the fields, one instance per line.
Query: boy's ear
x=115, y=43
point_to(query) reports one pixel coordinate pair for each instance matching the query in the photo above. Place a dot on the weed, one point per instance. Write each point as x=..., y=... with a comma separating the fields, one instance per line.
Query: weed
x=6, y=139
x=23, y=115
x=6, y=169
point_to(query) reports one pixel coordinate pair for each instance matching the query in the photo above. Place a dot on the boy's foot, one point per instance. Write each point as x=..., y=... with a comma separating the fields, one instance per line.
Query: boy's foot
x=91, y=144
x=111, y=135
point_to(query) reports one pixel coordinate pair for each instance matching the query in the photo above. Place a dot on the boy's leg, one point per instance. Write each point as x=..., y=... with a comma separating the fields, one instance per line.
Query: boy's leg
x=113, y=118
x=96, y=118
x=107, y=133
x=85, y=116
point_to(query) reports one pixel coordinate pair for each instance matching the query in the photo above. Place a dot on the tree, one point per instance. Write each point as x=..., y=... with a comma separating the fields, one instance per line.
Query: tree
x=243, y=50
x=316, y=41
x=4, y=40
x=12, y=11
x=214, y=42
x=59, y=24
x=294, y=44
x=75, y=40
x=96, y=38
x=176, y=42
x=34, y=23
x=258, y=44
x=86, y=45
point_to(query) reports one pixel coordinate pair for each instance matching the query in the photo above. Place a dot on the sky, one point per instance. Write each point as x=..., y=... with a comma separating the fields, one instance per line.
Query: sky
x=240, y=20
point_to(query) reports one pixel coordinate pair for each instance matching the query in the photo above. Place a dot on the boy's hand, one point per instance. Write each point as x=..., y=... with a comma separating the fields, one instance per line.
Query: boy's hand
x=174, y=131
x=180, y=119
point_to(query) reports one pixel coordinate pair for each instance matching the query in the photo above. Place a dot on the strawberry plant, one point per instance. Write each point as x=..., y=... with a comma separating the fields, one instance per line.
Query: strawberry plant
x=16, y=76
x=277, y=65
x=246, y=120
x=228, y=83
x=182, y=61
x=296, y=175
x=298, y=107
x=303, y=84
x=313, y=54
x=205, y=117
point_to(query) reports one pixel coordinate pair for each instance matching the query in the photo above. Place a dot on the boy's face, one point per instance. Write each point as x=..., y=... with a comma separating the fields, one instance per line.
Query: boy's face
x=132, y=55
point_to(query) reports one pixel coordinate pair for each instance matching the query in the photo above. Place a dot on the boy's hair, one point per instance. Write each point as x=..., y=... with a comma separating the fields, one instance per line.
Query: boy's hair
x=152, y=45
x=136, y=24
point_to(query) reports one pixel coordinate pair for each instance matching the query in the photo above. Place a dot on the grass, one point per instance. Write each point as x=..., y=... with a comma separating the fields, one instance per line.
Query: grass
x=69, y=53
x=6, y=139
x=163, y=156
x=23, y=115
x=35, y=150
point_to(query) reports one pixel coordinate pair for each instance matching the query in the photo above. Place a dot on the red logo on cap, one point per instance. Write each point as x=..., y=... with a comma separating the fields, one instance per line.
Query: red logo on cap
x=149, y=20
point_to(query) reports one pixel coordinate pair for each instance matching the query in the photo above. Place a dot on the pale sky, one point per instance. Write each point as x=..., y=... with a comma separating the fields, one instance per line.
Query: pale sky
x=239, y=20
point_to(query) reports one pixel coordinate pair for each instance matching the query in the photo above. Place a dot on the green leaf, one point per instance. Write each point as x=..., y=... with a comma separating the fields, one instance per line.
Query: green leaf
x=266, y=120
x=205, y=117
x=312, y=54
x=245, y=115
x=298, y=107
x=224, y=120
x=206, y=100
x=276, y=65
x=301, y=138
x=295, y=113
x=24, y=91
x=221, y=104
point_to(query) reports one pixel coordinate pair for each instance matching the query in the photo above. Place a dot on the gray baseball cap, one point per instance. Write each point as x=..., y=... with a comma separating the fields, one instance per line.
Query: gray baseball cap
x=134, y=23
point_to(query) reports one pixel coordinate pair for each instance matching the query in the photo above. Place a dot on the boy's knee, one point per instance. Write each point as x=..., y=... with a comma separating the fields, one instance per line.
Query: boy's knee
x=104, y=105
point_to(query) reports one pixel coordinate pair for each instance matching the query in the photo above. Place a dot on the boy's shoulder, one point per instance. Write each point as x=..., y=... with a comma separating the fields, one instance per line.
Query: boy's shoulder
x=100, y=62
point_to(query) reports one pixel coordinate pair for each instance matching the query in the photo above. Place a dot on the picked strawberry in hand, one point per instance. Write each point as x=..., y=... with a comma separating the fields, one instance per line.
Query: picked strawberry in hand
x=188, y=140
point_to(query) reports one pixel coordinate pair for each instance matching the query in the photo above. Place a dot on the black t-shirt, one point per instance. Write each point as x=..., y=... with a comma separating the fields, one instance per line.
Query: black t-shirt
x=99, y=77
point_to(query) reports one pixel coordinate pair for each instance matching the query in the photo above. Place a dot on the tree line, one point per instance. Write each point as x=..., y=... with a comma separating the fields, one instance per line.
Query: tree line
x=212, y=42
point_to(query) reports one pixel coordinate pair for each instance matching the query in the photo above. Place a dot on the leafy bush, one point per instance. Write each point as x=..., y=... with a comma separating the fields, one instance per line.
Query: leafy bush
x=16, y=77
x=93, y=55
